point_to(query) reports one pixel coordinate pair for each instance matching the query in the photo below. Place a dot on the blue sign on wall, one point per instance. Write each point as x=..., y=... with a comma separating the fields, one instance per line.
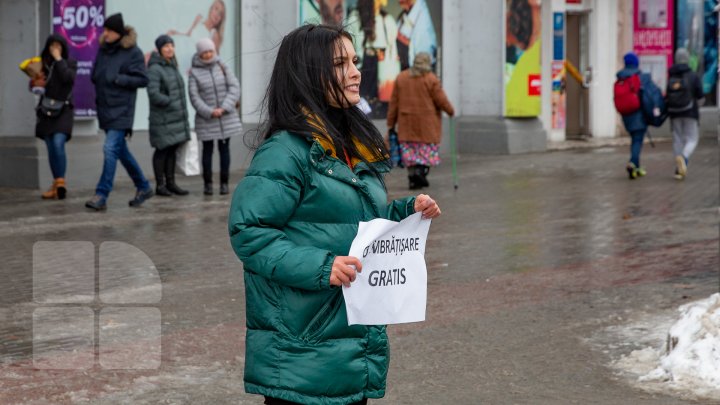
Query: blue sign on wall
x=558, y=36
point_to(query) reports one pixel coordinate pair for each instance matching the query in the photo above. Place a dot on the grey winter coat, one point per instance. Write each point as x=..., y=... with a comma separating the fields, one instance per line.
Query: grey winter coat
x=168, y=108
x=214, y=86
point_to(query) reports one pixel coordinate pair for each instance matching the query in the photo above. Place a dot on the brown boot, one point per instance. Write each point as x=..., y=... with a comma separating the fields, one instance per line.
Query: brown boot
x=60, y=187
x=51, y=194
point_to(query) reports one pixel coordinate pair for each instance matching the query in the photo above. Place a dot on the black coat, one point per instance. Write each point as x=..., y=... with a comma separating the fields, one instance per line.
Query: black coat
x=60, y=77
x=119, y=71
x=695, y=87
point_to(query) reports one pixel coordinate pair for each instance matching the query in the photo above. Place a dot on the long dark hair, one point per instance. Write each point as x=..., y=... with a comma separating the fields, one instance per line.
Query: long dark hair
x=303, y=76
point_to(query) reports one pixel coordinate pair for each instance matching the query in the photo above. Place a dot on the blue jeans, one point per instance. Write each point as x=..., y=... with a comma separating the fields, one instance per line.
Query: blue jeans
x=115, y=149
x=56, y=153
x=636, y=146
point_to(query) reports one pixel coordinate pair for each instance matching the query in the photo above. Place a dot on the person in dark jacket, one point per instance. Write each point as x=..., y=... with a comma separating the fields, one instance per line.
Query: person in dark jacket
x=318, y=173
x=59, y=70
x=168, y=114
x=682, y=94
x=635, y=122
x=119, y=71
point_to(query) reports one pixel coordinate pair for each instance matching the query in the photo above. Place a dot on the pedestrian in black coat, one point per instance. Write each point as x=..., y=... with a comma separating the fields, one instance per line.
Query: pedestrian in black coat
x=59, y=70
x=118, y=73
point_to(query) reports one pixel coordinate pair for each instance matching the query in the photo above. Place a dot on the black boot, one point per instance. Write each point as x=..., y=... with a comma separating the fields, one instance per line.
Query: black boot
x=423, y=171
x=162, y=189
x=170, y=175
x=207, y=180
x=414, y=180
x=159, y=163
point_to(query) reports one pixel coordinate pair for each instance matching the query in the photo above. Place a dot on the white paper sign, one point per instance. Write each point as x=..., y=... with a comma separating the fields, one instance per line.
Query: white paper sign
x=392, y=286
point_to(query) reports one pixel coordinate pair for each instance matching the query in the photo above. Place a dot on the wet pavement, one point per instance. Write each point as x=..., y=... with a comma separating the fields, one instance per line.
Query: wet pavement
x=534, y=256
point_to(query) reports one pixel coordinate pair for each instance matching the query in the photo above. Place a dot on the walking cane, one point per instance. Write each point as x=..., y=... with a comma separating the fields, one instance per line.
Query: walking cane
x=453, y=153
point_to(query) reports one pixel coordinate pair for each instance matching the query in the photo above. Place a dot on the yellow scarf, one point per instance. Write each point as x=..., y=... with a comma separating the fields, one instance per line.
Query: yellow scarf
x=325, y=141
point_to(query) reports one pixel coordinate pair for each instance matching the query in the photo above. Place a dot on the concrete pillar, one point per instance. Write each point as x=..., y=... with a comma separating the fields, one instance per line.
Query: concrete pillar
x=20, y=38
x=603, y=22
x=482, y=127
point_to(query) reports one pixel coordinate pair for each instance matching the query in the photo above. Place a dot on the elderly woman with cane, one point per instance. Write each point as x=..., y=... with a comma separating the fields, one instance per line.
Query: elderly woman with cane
x=415, y=107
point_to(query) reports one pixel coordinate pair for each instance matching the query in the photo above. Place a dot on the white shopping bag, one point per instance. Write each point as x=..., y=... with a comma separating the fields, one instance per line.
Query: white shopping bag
x=187, y=160
x=392, y=287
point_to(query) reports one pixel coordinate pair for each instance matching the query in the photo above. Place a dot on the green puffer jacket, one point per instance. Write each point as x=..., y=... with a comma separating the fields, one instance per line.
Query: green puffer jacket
x=168, y=105
x=295, y=210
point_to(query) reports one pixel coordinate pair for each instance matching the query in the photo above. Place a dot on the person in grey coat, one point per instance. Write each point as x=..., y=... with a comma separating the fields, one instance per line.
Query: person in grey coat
x=168, y=114
x=214, y=93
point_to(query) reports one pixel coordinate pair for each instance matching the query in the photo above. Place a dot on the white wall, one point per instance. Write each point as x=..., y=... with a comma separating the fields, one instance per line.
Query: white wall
x=264, y=24
x=480, y=40
x=451, y=53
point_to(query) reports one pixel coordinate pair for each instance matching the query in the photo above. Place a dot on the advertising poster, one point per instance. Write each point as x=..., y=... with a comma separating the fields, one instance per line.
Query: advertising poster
x=653, y=37
x=697, y=32
x=387, y=35
x=186, y=21
x=522, y=58
x=559, y=108
x=80, y=22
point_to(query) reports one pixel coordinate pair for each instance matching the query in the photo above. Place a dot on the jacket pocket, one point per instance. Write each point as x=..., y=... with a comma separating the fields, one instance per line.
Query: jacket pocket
x=319, y=322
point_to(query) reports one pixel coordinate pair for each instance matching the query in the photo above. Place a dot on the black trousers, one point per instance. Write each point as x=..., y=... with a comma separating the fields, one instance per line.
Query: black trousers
x=207, y=157
x=275, y=401
x=164, y=164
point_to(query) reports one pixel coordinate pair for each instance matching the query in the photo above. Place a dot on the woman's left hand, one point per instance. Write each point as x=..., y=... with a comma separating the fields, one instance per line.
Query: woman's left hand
x=428, y=206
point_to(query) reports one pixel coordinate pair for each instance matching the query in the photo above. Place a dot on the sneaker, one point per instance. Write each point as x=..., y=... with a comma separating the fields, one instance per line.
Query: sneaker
x=640, y=172
x=97, y=203
x=140, y=197
x=681, y=170
x=632, y=171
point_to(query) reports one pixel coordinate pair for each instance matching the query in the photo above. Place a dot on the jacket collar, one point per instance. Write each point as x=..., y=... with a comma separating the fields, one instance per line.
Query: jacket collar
x=321, y=136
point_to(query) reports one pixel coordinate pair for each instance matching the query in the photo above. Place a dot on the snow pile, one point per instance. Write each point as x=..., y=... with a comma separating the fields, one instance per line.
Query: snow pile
x=692, y=352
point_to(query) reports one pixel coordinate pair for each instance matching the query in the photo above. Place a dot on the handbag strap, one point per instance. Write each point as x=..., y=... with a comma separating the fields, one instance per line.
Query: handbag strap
x=51, y=70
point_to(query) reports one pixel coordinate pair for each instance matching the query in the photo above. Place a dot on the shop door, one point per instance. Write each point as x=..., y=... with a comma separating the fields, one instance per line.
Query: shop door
x=578, y=122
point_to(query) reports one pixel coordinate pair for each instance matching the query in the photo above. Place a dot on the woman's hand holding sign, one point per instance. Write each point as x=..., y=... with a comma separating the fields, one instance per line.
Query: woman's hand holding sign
x=344, y=270
x=428, y=206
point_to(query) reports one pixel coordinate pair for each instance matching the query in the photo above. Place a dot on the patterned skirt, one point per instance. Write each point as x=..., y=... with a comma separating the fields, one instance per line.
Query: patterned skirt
x=417, y=153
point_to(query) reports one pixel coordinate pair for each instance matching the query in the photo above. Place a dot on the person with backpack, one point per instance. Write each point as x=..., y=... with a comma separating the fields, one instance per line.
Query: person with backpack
x=629, y=103
x=684, y=89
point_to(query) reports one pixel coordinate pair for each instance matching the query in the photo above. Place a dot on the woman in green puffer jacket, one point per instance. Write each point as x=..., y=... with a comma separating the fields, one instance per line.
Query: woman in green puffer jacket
x=317, y=173
x=168, y=115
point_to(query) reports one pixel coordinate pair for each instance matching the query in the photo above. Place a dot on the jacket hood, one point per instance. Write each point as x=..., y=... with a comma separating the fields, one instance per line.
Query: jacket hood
x=197, y=62
x=627, y=72
x=679, y=69
x=45, y=55
x=156, y=59
x=127, y=41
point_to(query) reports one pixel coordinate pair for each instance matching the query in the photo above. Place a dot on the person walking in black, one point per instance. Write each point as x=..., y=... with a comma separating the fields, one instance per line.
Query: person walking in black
x=684, y=89
x=168, y=114
x=55, y=127
x=119, y=71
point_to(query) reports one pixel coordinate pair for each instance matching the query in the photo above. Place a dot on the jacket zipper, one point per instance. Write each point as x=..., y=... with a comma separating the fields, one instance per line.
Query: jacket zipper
x=217, y=100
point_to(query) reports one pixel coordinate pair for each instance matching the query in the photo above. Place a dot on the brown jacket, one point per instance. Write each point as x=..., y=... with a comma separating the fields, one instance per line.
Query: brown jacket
x=415, y=107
